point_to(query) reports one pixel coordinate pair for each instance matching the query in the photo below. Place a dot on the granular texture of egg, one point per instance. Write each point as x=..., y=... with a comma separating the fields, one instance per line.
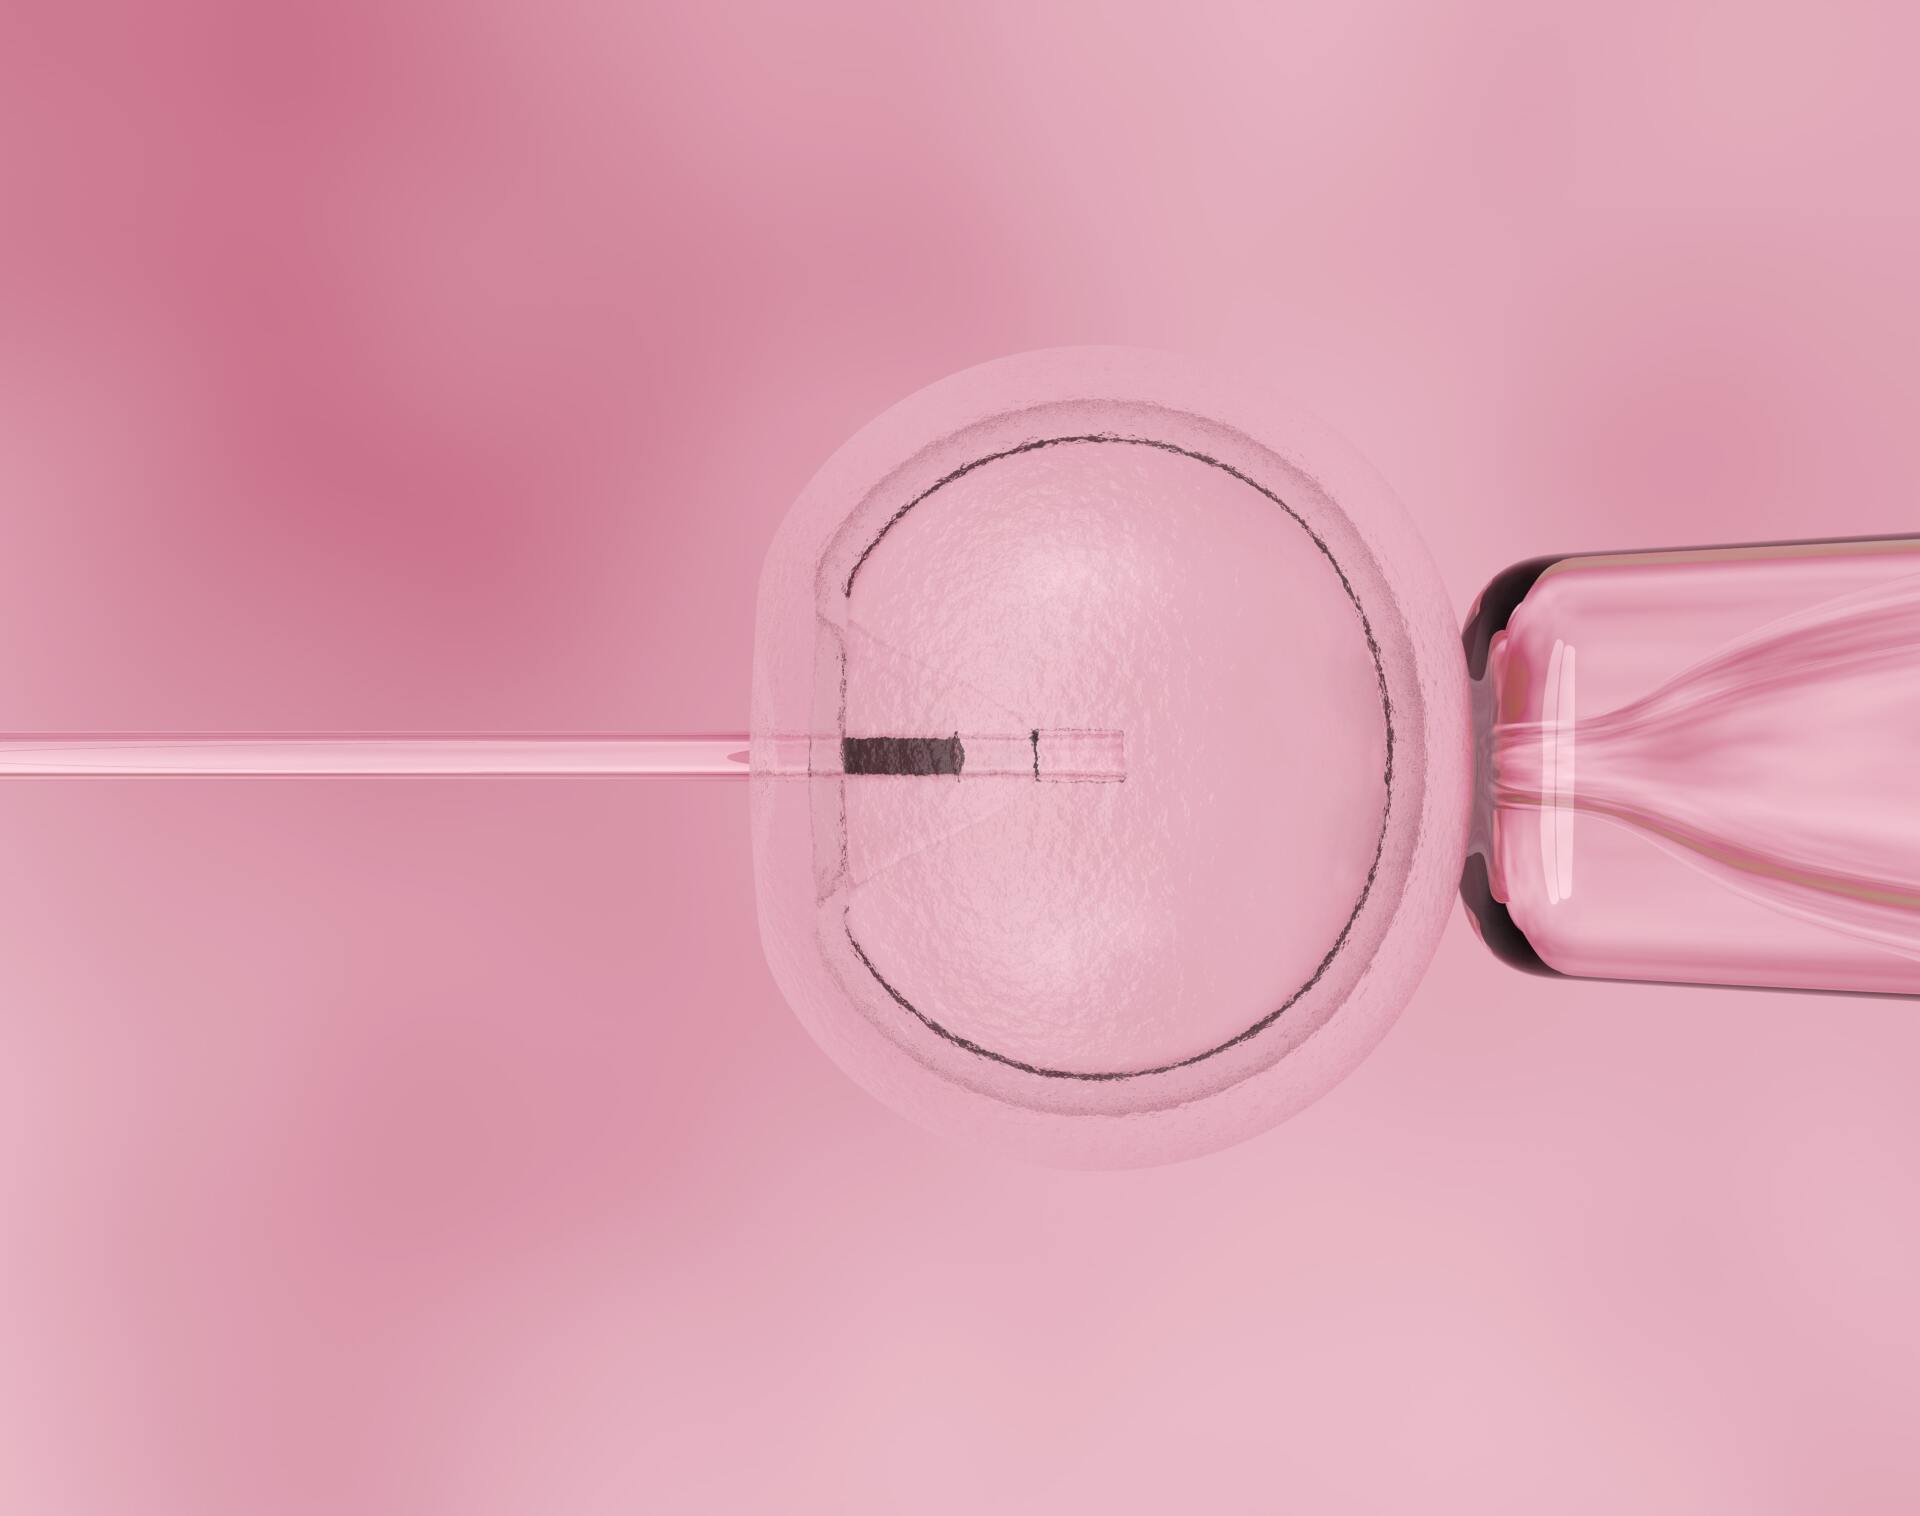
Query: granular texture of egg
x=1110, y=968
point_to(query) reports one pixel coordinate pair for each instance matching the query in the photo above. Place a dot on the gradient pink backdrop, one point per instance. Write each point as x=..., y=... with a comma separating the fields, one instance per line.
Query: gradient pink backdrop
x=409, y=1146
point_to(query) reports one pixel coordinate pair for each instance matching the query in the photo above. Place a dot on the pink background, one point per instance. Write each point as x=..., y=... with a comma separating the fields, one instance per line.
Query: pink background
x=402, y=1146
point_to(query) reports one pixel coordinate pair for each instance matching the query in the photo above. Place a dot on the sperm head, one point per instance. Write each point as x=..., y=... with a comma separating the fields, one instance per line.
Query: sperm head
x=1110, y=758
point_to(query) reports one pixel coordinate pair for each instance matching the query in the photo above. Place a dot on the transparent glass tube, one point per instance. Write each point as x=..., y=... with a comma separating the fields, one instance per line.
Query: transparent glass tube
x=1032, y=755
x=1699, y=765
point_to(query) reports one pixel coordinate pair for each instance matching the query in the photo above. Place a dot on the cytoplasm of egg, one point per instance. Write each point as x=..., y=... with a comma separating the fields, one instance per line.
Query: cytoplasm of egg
x=1106, y=969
